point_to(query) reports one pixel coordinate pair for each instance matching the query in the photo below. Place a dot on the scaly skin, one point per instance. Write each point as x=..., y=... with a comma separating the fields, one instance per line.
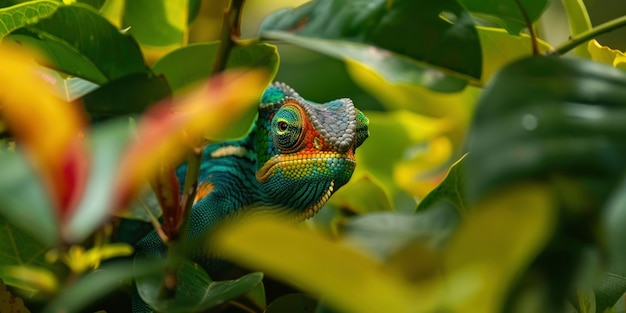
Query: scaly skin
x=296, y=156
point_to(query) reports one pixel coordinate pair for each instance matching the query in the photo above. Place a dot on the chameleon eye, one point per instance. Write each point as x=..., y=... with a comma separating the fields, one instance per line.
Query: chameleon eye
x=287, y=129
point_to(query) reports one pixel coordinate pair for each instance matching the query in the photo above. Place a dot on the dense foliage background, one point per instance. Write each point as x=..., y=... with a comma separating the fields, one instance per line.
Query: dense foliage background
x=492, y=180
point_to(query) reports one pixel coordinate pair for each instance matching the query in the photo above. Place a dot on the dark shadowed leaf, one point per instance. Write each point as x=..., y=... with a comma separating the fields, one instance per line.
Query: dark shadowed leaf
x=195, y=291
x=506, y=13
x=10, y=303
x=385, y=24
x=293, y=303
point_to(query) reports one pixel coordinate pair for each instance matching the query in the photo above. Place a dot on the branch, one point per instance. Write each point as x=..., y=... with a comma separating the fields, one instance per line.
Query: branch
x=590, y=34
x=529, y=24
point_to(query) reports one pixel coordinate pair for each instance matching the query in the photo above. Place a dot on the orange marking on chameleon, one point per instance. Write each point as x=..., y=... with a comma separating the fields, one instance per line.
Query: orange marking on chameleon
x=204, y=189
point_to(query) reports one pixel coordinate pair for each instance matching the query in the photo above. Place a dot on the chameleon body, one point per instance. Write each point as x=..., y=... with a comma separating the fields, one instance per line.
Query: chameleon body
x=297, y=154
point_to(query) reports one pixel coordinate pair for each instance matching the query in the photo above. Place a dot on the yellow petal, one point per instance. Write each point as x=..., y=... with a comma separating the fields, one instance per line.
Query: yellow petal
x=606, y=55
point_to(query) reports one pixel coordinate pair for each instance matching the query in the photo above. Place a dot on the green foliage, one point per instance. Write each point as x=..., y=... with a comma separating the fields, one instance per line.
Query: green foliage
x=492, y=180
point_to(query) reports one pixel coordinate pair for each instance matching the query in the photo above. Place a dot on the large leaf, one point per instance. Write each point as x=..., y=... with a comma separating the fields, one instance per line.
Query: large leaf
x=451, y=189
x=20, y=15
x=506, y=13
x=195, y=291
x=193, y=63
x=413, y=29
x=111, y=56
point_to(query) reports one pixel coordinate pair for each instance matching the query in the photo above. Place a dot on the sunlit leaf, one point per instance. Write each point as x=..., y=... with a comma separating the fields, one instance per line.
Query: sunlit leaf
x=606, y=55
x=195, y=291
x=579, y=22
x=20, y=15
x=506, y=13
x=348, y=280
x=451, y=189
x=193, y=63
x=495, y=245
x=501, y=48
x=384, y=24
x=10, y=303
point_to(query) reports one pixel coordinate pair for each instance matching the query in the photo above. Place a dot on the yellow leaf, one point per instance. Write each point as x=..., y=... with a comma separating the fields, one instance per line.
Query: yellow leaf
x=606, y=55
x=169, y=129
x=30, y=278
x=48, y=127
x=348, y=280
x=497, y=242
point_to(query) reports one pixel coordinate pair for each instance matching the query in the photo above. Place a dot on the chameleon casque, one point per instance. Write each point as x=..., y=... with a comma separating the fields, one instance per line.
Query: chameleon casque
x=295, y=156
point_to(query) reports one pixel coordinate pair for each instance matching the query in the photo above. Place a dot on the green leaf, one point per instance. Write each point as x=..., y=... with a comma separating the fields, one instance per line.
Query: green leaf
x=195, y=291
x=20, y=15
x=113, y=54
x=293, y=303
x=542, y=117
x=193, y=63
x=157, y=23
x=99, y=283
x=451, y=189
x=107, y=143
x=394, y=67
x=506, y=13
x=127, y=95
x=24, y=201
x=413, y=29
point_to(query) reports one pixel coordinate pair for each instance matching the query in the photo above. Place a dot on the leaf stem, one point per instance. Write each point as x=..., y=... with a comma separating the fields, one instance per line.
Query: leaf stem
x=531, y=29
x=231, y=30
x=581, y=38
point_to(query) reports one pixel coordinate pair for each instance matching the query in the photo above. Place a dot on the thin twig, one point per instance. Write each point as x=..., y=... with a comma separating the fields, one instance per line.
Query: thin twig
x=531, y=29
x=590, y=34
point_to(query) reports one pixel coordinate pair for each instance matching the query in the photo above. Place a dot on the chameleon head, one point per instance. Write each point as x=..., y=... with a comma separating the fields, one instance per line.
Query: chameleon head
x=307, y=152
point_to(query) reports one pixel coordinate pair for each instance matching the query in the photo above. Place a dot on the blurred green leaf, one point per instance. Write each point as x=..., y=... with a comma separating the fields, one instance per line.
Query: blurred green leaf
x=107, y=142
x=20, y=15
x=293, y=303
x=193, y=63
x=95, y=285
x=127, y=95
x=24, y=201
x=506, y=13
x=585, y=301
x=385, y=24
x=542, y=117
x=579, y=22
x=451, y=189
x=113, y=54
x=360, y=196
x=195, y=291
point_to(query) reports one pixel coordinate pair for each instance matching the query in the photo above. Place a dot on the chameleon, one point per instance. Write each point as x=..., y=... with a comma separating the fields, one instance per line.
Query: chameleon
x=296, y=155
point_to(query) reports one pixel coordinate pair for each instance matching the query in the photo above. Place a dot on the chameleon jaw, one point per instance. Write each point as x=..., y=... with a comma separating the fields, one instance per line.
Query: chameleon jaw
x=312, y=210
x=268, y=169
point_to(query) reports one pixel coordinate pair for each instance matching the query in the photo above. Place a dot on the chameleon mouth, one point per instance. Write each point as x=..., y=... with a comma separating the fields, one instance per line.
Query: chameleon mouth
x=292, y=160
x=312, y=210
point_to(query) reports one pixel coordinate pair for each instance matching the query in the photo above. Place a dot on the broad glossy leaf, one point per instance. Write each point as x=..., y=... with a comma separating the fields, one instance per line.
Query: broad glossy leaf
x=493, y=246
x=348, y=280
x=606, y=55
x=193, y=63
x=113, y=54
x=451, y=189
x=195, y=291
x=128, y=95
x=158, y=25
x=542, y=117
x=20, y=15
x=414, y=29
x=506, y=13
x=97, y=284
x=393, y=67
